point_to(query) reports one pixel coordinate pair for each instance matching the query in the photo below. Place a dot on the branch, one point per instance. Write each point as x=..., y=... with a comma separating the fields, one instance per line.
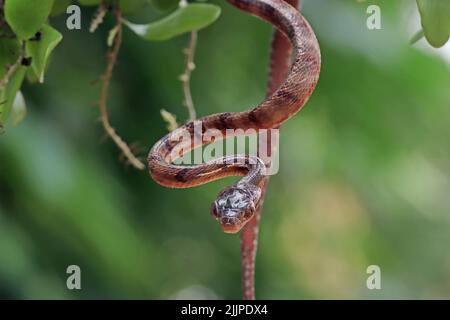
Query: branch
x=12, y=68
x=186, y=76
x=106, y=79
x=98, y=18
x=279, y=67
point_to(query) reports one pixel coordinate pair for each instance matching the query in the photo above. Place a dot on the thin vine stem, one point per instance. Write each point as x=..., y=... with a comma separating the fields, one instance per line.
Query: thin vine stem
x=98, y=17
x=186, y=76
x=106, y=81
x=281, y=51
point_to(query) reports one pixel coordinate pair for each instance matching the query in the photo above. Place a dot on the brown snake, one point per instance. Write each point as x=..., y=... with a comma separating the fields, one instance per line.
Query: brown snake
x=236, y=204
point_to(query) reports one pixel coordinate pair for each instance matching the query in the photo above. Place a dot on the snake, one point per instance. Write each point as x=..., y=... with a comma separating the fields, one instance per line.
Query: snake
x=236, y=205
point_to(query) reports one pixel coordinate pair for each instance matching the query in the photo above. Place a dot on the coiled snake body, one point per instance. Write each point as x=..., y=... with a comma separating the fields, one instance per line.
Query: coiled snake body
x=235, y=205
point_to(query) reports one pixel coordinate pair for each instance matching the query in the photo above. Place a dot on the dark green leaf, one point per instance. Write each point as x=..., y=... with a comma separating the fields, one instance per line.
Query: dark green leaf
x=26, y=17
x=40, y=50
x=31, y=76
x=185, y=19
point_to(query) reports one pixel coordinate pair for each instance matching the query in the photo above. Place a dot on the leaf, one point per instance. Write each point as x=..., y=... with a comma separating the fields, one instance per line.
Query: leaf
x=164, y=5
x=183, y=20
x=26, y=17
x=31, y=76
x=19, y=109
x=435, y=15
x=8, y=95
x=40, y=50
x=59, y=7
x=9, y=52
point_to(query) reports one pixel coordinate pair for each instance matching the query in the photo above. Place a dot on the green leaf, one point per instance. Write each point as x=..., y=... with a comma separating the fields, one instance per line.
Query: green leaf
x=435, y=15
x=8, y=95
x=9, y=53
x=26, y=17
x=186, y=19
x=19, y=109
x=164, y=5
x=40, y=50
x=31, y=76
x=59, y=7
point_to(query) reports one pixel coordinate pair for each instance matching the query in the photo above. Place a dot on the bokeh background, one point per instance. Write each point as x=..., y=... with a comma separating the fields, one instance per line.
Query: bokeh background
x=364, y=174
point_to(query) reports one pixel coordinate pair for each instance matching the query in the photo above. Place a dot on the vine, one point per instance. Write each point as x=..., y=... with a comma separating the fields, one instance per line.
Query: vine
x=106, y=81
x=186, y=76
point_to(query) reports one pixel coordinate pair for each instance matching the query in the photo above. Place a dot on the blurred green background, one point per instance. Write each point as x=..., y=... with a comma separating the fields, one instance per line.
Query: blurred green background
x=364, y=168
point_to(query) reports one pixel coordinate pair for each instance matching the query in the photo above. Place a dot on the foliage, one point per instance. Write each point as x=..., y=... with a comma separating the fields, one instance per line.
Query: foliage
x=27, y=24
x=185, y=19
x=435, y=16
x=26, y=19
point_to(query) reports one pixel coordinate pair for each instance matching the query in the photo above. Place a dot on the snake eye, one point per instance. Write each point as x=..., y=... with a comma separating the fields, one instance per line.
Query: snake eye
x=249, y=213
x=214, y=211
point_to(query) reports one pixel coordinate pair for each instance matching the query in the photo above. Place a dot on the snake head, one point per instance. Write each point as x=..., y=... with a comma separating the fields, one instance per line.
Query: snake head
x=235, y=206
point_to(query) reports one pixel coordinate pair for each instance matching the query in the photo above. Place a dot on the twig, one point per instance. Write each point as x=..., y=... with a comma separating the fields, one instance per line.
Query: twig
x=106, y=80
x=186, y=76
x=279, y=66
x=98, y=18
x=170, y=119
x=12, y=68
x=416, y=37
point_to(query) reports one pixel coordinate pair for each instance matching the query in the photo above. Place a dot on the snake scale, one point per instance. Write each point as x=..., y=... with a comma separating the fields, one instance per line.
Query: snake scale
x=236, y=205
